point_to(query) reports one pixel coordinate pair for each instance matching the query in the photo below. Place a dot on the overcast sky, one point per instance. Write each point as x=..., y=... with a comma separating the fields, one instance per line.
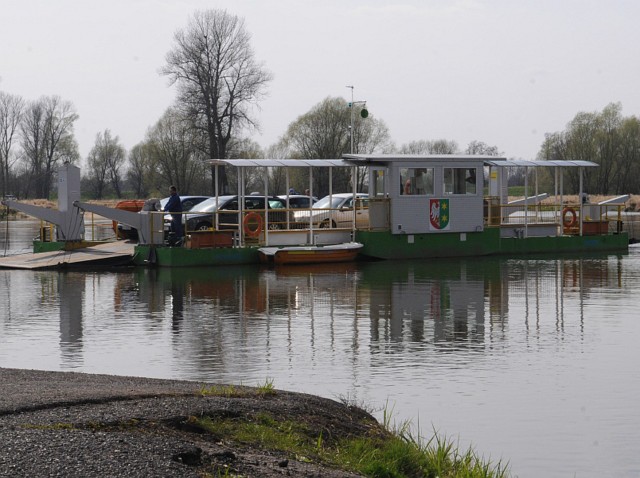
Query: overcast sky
x=504, y=72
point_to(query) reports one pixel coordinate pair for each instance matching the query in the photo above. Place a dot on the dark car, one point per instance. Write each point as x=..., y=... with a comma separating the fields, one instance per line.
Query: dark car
x=223, y=212
x=188, y=202
x=299, y=201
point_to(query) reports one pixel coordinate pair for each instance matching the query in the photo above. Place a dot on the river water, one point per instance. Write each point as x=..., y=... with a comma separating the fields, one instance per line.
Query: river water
x=531, y=361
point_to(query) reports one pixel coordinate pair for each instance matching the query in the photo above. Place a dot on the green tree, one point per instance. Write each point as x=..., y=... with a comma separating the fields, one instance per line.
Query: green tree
x=323, y=133
x=606, y=138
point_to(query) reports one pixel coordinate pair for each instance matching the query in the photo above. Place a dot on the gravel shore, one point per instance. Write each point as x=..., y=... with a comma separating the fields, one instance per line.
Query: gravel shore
x=78, y=425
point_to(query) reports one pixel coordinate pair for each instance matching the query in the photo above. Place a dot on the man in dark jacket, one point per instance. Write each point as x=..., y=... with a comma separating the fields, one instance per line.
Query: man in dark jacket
x=174, y=206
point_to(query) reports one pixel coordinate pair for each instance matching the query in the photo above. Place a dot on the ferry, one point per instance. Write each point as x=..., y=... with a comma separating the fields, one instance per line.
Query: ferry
x=415, y=207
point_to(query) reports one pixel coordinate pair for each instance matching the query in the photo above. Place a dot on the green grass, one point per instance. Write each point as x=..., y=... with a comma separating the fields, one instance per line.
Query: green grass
x=228, y=391
x=390, y=454
x=266, y=389
x=263, y=390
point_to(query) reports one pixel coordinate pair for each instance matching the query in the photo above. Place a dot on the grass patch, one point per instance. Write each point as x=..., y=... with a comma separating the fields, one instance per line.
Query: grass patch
x=388, y=454
x=263, y=390
x=266, y=389
x=228, y=391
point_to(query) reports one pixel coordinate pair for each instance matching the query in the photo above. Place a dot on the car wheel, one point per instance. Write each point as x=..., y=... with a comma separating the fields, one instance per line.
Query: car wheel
x=203, y=226
x=274, y=227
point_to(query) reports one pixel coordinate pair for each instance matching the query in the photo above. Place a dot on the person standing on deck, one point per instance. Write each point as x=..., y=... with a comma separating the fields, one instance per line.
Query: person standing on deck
x=174, y=206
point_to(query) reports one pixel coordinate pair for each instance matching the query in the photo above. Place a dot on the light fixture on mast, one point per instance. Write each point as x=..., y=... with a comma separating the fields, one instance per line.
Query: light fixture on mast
x=363, y=113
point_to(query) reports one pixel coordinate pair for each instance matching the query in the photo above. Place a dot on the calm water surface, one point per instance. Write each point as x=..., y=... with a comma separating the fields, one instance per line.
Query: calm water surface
x=532, y=361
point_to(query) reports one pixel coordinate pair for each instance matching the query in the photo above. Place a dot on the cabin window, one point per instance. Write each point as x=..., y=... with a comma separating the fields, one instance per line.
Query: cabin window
x=416, y=181
x=459, y=180
x=377, y=185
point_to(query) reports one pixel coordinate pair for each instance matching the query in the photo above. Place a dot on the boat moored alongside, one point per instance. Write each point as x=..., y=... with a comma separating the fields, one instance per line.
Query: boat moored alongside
x=331, y=253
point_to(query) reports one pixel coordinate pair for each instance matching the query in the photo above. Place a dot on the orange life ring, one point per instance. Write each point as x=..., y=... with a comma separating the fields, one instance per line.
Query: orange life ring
x=573, y=218
x=253, y=219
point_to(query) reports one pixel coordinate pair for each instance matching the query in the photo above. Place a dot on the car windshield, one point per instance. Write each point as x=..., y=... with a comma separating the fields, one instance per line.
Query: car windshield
x=276, y=204
x=230, y=203
x=211, y=204
x=329, y=202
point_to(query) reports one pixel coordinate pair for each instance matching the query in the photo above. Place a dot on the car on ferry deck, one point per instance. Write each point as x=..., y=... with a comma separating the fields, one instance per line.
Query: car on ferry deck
x=298, y=201
x=336, y=210
x=224, y=211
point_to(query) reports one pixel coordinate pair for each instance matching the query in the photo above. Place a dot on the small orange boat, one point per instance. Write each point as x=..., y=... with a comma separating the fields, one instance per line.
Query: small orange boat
x=133, y=205
x=345, y=252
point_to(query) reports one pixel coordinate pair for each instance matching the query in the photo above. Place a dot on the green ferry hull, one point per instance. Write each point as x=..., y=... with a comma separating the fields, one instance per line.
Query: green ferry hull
x=384, y=245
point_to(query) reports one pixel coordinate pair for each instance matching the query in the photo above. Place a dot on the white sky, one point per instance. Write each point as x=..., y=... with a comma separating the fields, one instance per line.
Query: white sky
x=504, y=71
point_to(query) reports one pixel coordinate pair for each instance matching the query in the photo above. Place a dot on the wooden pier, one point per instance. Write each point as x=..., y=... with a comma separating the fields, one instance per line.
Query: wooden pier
x=107, y=254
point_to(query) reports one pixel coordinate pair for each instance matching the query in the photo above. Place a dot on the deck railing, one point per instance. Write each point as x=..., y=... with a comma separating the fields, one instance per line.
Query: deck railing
x=570, y=218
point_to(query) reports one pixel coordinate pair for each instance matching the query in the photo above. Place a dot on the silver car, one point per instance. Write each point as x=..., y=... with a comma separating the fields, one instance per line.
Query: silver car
x=336, y=210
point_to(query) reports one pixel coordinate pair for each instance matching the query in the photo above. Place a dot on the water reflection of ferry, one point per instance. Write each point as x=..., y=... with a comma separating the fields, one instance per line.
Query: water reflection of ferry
x=380, y=307
x=250, y=289
x=441, y=301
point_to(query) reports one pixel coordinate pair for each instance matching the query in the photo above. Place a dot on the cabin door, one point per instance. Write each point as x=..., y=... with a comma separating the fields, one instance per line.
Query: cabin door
x=378, y=197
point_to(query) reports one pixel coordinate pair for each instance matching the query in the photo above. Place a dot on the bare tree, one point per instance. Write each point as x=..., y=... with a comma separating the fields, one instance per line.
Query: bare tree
x=97, y=170
x=106, y=158
x=141, y=172
x=438, y=146
x=172, y=149
x=218, y=78
x=277, y=176
x=628, y=165
x=47, y=139
x=32, y=129
x=481, y=148
x=11, y=108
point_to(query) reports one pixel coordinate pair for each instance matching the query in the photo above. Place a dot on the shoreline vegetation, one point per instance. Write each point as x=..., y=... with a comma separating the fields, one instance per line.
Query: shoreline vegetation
x=379, y=450
x=130, y=426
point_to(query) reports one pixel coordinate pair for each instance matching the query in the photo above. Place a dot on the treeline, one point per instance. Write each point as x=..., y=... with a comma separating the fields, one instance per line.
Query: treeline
x=212, y=118
x=44, y=130
x=606, y=138
x=218, y=82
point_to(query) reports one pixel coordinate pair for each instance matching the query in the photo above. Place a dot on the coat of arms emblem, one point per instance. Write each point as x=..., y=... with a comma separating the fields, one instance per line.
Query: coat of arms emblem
x=439, y=214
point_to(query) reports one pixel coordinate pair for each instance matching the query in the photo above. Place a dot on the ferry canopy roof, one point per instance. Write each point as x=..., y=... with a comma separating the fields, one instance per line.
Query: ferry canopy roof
x=291, y=163
x=487, y=160
x=389, y=158
x=353, y=159
x=506, y=163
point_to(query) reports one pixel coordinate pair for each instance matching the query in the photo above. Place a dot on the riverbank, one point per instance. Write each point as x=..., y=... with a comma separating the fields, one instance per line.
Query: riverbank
x=73, y=424
x=70, y=424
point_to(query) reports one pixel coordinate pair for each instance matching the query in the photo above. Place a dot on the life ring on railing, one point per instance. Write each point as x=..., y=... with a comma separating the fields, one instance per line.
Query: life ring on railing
x=253, y=224
x=572, y=219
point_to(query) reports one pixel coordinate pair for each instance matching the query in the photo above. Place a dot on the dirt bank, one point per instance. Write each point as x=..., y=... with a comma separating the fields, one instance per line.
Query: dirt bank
x=72, y=425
